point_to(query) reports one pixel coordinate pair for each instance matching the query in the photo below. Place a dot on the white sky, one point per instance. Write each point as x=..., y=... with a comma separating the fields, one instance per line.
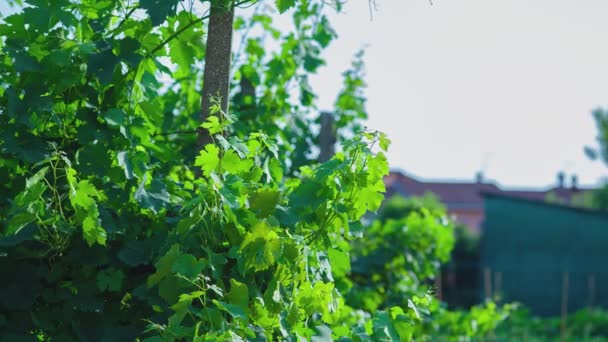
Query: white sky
x=463, y=85
x=503, y=86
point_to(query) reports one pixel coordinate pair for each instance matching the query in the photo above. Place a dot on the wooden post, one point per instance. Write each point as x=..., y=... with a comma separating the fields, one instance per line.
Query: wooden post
x=327, y=137
x=487, y=281
x=565, y=286
x=439, y=285
x=591, y=283
x=497, y=284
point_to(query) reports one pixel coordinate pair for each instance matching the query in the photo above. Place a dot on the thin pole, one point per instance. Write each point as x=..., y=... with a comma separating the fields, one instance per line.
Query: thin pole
x=497, y=284
x=591, y=281
x=438, y=285
x=487, y=280
x=565, y=285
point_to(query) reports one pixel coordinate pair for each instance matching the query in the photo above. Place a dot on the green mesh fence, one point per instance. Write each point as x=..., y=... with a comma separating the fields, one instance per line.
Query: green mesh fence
x=548, y=257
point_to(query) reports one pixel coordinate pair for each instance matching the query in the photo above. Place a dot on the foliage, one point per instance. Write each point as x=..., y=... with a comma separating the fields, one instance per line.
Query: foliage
x=589, y=324
x=107, y=230
x=397, y=261
x=398, y=207
x=398, y=256
x=601, y=121
x=108, y=235
x=600, y=196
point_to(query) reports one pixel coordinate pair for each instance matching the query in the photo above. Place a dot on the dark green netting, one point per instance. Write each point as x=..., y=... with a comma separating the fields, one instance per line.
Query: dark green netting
x=528, y=248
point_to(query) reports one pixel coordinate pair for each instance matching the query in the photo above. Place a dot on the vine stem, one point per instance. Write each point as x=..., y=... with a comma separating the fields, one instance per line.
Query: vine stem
x=176, y=132
x=127, y=16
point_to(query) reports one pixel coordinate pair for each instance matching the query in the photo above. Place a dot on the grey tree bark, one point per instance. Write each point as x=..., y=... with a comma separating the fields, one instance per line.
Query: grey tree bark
x=327, y=137
x=216, y=76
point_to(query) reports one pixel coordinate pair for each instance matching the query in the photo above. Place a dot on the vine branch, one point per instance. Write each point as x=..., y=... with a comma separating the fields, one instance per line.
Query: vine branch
x=194, y=131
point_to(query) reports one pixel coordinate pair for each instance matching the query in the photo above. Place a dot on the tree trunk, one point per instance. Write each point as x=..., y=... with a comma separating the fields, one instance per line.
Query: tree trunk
x=327, y=137
x=216, y=77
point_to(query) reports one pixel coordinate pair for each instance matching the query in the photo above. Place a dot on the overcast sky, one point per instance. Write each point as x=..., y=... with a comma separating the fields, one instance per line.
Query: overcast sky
x=466, y=85
x=501, y=86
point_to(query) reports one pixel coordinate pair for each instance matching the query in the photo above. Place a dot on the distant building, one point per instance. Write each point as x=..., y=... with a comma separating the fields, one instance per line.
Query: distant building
x=464, y=201
x=550, y=257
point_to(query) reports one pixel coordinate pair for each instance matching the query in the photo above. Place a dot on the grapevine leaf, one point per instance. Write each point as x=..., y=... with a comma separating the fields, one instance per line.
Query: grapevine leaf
x=213, y=125
x=154, y=197
x=383, y=328
x=208, y=159
x=261, y=247
x=284, y=5
x=340, y=262
x=238, y=294
x=384, y=142
x=233, y=164
x=188, y=266
x=264, y=201
x=164, y=265
x=110, y=280
x=20, y=236
x=159, y=10
x=83, y=199
x=234, y=310
x=92, y=230
x=19, y=221
x=133, y=254
x=115, y=117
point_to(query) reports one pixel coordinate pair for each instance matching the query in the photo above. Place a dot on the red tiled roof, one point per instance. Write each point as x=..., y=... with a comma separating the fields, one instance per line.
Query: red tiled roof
x=465, y=193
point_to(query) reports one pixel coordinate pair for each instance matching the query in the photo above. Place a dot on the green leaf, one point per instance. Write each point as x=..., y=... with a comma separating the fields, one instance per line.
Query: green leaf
x=83, y=198
x=19, y=221
x=340, y=262
x=213, y=125
x=188, y=266
x=133, y=163
x=133, y=253
x=110, y=280
x=324, y=33
x=208, y=159
x=188, y=297
x=93, y=159
x=85, y=195
x=154, y=197
x=238, y=294
x=384, y=142
x=102, y=65
x=276, y=170
x=25, y=234
x=315, y=298
x=234, y=310
x=169, y=289
x=284, y=5
x=383, y=328
x=159, y=10
x=216, y=262
x=233, y=164
x=264, y=201
x=92, y=230
x=115, y=117
x=261, y=247
x=164, y=265
x=32, y=194
x=36, y=178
